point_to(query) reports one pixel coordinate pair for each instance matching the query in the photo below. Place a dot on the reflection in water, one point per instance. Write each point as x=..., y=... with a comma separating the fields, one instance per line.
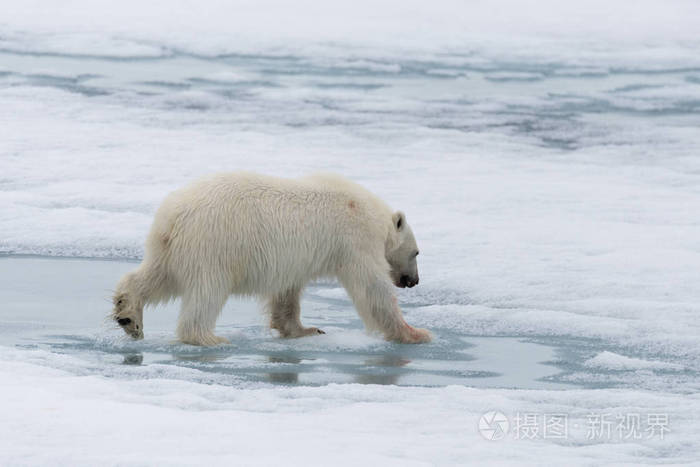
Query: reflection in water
x=473, y=361
x=284, y=359
x=377, y=379
x=379, y=369
x=133, y=359
x=204, y=357
x=287, y=377
x=385, y=369
x=284, y=377
x=387, y=360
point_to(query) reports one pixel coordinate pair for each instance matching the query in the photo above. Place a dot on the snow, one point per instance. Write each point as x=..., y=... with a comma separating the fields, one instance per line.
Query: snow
x=613, y=361
x=546, y=156
x=165, y=422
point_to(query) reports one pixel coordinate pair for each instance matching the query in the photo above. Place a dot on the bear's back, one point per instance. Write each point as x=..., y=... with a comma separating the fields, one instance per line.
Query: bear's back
x=285, y=230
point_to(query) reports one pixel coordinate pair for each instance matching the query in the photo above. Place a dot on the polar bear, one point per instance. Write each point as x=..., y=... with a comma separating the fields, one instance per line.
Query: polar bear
x=248, y=234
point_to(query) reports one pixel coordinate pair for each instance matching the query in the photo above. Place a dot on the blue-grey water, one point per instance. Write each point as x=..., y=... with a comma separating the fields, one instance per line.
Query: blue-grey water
x=61, y=306
x=557, y=104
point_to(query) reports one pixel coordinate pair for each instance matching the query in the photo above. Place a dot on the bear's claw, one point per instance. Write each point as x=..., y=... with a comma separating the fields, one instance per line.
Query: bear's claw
x=413, y=335
x=300, y=332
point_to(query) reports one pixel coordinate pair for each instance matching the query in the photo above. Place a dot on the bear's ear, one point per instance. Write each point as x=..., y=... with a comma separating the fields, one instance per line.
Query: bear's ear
x=399, y=220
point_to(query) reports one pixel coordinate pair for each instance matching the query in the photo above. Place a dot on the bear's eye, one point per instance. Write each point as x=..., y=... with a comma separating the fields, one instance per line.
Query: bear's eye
x=416, y=254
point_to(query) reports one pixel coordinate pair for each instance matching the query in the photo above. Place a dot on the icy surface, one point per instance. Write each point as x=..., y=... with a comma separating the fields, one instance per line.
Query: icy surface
x=345, y=354
x=613, y=361
x=62, y=362
x=546, y=155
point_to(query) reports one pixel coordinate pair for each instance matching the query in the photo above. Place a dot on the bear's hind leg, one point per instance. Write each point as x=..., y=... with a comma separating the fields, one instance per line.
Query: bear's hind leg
x=198, y=319
x=285, y=313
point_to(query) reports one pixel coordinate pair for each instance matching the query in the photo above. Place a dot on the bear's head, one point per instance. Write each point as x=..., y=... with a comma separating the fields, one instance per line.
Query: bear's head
x=401, y=252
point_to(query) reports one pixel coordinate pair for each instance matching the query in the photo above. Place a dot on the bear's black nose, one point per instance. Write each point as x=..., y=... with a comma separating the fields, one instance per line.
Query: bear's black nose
x=406, y=281
x=123, y=321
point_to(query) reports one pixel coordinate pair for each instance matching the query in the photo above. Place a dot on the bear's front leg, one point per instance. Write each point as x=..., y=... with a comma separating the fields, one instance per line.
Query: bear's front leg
x=197, y=319
x=285, y=314
x=411, y=335
x=398, y=330
x=377, y=306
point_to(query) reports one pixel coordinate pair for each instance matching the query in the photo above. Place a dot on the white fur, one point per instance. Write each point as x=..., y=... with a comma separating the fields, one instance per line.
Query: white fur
x=242, y=233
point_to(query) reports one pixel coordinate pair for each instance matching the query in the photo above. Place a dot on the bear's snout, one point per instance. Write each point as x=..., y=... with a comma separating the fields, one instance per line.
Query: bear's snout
x=124, y=321
x=407, y=281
